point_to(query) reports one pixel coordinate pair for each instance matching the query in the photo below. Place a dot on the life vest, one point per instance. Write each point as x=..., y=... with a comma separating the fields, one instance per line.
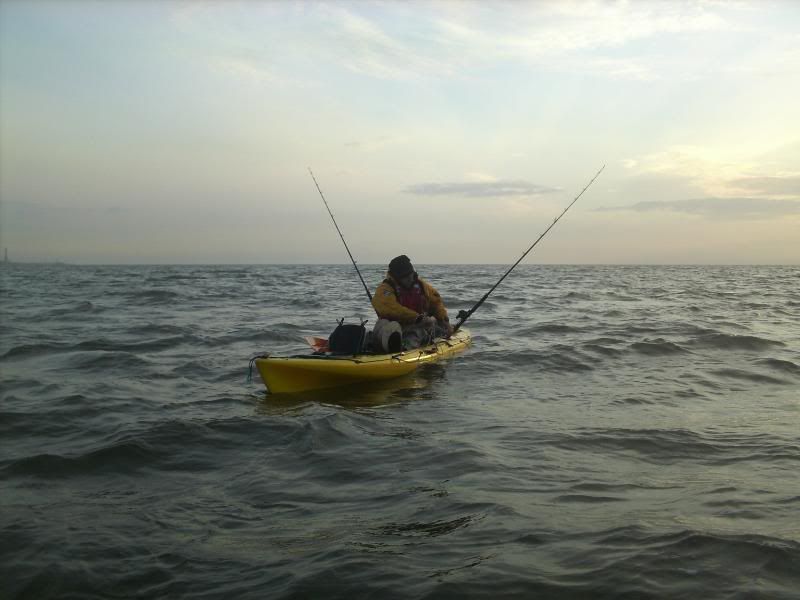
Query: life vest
x=413, y=298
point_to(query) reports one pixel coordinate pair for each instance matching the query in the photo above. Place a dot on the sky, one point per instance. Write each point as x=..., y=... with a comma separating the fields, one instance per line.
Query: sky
x=453, y=132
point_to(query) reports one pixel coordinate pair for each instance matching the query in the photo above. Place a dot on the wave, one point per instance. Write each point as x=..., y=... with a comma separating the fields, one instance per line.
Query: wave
x=666, y=446
x=635, y=562
x=72, y=309
x=100, y=345
x=559, y=360
x=598, y=486
x=121, y=456
x=170, y=445
x=725, y=341
x=587, y=499
x=658, y=347
x=22, y=423
x=193, y=369
x=425, y=529
x=632, y=401
x=154, y=297
x=741, y=374
x=764, y=554
x=577, y=296
x=143, y=346
x=104, y=359
x=548, y=328
x=603, y=340
x=27, y=350
x=266, y=335
x=307, y=303
x=156, y=329
x=62, y=412
x=785, y=366
x=722, y=322
x=630, y=328
x=604, y=350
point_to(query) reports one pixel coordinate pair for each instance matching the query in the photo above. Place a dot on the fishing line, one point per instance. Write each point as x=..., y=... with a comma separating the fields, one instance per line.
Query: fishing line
x=463, y=315
x=353, y=260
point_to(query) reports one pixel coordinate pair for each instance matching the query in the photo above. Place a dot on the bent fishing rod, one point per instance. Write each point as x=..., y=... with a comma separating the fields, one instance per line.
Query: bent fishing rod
x=353, y=260
x=463, y=315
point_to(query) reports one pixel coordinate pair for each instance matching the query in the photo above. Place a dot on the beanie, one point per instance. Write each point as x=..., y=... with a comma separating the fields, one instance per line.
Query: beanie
x=401, y=266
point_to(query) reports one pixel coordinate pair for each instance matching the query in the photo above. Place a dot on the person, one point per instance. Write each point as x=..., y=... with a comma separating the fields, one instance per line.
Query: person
x=410, y=311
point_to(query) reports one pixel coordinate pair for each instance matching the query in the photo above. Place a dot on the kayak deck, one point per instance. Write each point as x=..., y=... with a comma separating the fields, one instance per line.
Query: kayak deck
x=313, y=372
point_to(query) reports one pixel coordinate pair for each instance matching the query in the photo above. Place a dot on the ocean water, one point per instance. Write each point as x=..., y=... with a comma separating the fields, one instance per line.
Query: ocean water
x=614, y=432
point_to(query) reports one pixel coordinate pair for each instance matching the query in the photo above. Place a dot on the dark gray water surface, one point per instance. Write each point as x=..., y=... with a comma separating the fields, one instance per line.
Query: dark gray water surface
x=619, y=432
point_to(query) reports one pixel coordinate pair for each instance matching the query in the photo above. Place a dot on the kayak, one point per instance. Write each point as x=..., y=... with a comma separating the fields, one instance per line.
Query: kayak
x=322, y=370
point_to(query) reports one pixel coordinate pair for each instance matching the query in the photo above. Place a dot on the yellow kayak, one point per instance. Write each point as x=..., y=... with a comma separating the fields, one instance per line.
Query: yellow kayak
x=313, y=372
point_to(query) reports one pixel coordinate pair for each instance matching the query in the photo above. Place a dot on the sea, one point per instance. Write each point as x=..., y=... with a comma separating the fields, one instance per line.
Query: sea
x=613, y=432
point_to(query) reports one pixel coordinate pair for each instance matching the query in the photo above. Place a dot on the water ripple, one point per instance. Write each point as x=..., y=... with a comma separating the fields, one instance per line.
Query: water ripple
x=614, y=432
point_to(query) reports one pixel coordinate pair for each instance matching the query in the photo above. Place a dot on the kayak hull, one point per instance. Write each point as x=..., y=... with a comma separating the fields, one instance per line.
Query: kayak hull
x=306, y=373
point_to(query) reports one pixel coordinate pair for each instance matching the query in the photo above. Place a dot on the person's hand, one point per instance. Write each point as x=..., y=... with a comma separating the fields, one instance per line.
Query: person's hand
x=429, y=322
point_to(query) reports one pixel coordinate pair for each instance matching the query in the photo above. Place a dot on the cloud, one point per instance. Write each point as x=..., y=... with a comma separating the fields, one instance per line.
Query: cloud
x=375, y=144
x=370, y=47
x=556, y=28
x=776, y=56
x=480, y=189
x=719, y=172
x=618, y=68
x=400, y=42
x=770, y=186
x=726, y=208
x=245, y=69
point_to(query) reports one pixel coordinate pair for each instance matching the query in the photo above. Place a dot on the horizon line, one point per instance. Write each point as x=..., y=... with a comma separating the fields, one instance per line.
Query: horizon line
x=342, y=264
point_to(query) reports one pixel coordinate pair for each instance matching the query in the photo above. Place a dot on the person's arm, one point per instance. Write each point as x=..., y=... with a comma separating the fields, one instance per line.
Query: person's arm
x=436, y=306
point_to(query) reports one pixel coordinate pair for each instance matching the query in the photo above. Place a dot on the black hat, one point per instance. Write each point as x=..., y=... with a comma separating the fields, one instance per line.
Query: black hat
x=401, y=266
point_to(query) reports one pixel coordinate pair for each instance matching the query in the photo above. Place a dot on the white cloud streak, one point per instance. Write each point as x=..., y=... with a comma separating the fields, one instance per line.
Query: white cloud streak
x=717, y=175
x=458, y=38
x=718, y=208
x=399, y=41
x=480, y=189
x=770, y=186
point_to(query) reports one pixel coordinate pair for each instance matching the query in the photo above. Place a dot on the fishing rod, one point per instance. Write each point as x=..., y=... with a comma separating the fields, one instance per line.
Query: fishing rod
x=366, y=289
x=463, y=315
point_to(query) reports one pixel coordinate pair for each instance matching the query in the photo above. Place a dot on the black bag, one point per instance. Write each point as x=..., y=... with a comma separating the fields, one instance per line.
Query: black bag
x=348, y=339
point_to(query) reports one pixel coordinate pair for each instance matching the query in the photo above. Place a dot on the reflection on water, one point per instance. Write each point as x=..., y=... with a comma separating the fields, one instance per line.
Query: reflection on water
x=419, y=385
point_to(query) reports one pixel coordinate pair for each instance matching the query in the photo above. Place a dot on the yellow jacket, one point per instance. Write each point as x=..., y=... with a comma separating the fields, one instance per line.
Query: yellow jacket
x=388, y=307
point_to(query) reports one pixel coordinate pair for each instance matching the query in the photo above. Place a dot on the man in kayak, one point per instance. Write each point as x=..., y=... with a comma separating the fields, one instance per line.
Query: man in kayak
x=408, y=304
